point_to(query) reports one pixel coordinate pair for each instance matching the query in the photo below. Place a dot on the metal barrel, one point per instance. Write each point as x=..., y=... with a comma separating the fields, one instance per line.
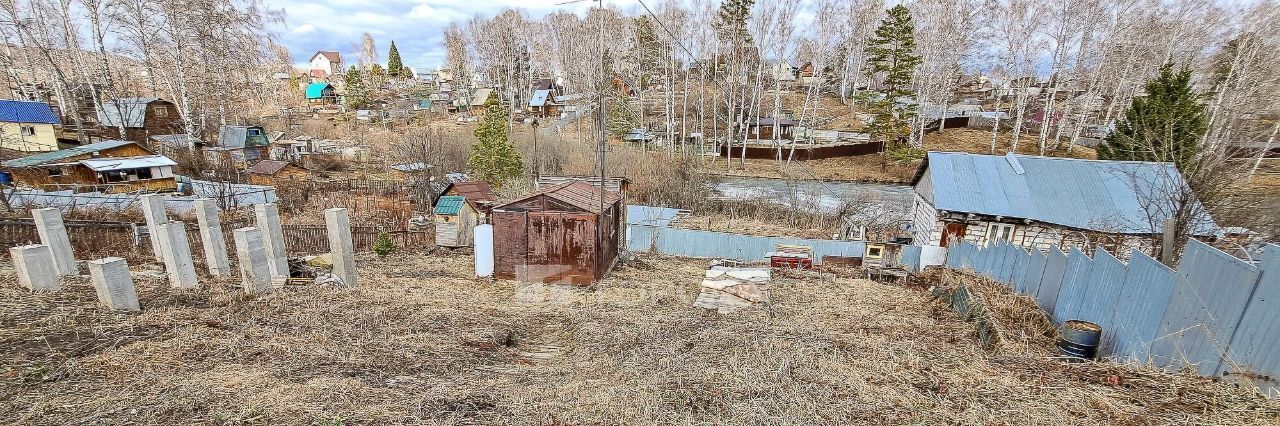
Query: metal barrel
x=1078, y=340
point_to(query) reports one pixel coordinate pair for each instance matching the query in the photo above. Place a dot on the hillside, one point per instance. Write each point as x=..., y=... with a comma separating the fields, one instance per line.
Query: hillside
x=421, y=342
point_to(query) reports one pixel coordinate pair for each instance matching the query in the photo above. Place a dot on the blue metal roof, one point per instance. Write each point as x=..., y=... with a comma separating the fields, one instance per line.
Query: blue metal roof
x=1107, y=196
x=450, y=204
x=27, y=112
x=539, y=98
x=52, y=156
x=316, y=90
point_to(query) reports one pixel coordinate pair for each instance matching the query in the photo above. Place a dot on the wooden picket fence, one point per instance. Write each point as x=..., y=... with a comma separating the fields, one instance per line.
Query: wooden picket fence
x=98, y=239
x=314, y=239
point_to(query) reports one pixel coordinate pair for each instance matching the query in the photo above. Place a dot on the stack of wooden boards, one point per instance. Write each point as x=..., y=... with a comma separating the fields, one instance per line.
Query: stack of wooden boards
x=727, y=289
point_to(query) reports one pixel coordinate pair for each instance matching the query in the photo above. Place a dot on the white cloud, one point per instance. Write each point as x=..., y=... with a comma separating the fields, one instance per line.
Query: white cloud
x=417, y=26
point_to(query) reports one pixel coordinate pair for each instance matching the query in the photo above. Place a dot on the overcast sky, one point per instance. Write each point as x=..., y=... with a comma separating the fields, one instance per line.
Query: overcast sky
x=417, y=26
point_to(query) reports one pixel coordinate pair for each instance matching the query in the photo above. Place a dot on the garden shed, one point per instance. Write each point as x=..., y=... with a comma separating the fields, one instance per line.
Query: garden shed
x=551, y=235
x=455, y=218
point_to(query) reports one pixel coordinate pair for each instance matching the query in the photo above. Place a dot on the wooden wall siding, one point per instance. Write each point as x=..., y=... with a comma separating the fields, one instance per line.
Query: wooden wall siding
x=1043, y=236
x=447, y=234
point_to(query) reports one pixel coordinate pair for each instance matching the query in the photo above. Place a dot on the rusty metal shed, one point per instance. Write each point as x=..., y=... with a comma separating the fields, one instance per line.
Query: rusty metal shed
x=550, y=236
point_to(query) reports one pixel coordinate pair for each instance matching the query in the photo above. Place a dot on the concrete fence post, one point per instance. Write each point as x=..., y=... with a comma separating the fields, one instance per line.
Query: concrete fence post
x=153, y=212
x=268, y=221
x=53, y=233
x=338, y=226
x=177, y=255
x=34, y=265
x=114, y=285
x=251, y=255
x=215, y=245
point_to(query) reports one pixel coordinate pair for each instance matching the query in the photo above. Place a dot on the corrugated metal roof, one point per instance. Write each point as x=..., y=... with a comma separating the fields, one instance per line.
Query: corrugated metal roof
x=316, y=90
x=118, y=163
x=480, y=97
x=474, y=191
x=132, y=110
x=1106, y=196
x=51, y=156
x=582, y=195
x=27, y=112
x=450, y=204
x=539, y=98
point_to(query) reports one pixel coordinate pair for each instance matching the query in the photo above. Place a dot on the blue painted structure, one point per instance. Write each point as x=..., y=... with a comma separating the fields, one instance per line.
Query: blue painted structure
x=1215, y=313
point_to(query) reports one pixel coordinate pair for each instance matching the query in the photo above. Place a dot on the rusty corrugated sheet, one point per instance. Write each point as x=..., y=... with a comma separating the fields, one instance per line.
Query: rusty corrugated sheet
x=553, y=246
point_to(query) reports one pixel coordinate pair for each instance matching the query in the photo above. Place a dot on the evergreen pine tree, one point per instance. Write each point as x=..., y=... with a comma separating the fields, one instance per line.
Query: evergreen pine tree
x=494, y=159
x=891, y=56
x=1166, y=125
x=395, y=68
x=355, y=93
x=377, y=76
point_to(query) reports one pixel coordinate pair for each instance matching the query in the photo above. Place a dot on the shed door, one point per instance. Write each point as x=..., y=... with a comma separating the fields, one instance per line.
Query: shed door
x=952, y=230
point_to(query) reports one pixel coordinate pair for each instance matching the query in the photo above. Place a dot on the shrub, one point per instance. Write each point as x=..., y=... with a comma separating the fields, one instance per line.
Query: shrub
x=383, y=246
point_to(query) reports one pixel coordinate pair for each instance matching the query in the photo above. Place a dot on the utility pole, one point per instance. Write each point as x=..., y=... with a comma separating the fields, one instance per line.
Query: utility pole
x=536, y=164
x=600, y=117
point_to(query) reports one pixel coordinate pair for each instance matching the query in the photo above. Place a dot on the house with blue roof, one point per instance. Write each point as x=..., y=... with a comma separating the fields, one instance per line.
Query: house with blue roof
x=1042, y=202
x=321, y=93
x=27, y=126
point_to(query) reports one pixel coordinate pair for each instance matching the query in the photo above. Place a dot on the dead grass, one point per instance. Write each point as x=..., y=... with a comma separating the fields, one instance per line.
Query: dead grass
x=750, y=226
x=979, y=142
x=422, y=342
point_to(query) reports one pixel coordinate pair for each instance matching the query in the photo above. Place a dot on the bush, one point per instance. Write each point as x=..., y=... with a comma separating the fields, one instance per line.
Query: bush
x=383, y=246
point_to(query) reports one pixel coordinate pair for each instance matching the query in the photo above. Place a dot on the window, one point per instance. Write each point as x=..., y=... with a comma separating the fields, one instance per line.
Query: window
x=161, y=111
x=255, y=132
x=999, y=231
x=55, y=172
x=875, y=251
x=28, y=130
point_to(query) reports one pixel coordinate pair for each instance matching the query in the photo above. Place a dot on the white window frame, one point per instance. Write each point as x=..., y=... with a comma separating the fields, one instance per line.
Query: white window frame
x=995, y=230
x=27, y=130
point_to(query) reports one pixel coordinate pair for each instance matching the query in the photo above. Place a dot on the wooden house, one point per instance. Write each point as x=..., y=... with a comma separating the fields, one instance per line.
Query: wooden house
x=27, y=126
x=273, y=173
x=543, y=104
x=557, y=235
x=455, y=219
x=478, y=99
x=764, y=128
x=479, y=193
x=140, y=117
x=321, y=93
x=108, y=166
x=240, y=145
x=326, y=64
x=1043, y=202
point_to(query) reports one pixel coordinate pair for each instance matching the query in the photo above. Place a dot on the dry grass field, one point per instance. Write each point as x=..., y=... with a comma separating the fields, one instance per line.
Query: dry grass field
x=421, y=342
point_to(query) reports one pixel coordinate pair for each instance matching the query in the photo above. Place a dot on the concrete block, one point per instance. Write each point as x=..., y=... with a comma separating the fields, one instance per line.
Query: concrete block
x=153, y=211
x=251, y=255
x=34, y=264
x=338, y=227
x=53, y=233
x=114, y=285
x=177, y=255
x=215, y=245
x=268, y=221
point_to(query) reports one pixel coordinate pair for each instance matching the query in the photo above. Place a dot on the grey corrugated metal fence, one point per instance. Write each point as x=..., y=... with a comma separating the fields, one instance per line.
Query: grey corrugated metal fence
x=1216, y=313
x=691, y=243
